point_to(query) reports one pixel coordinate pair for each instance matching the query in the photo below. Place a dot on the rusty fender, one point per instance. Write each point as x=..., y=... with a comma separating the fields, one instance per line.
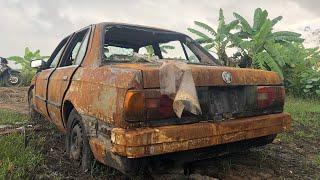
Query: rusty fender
x=99, y=134
x=143, y=142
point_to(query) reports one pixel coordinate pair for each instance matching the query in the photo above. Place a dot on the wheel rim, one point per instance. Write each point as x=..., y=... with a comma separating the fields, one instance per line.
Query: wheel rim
x=76, y=143
x=13, y=79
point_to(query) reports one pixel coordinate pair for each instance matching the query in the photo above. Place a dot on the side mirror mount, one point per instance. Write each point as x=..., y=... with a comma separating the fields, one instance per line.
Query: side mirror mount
x=38, y=63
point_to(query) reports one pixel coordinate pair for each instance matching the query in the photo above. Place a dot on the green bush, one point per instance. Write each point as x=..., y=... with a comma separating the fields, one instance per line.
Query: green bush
x=27, y=77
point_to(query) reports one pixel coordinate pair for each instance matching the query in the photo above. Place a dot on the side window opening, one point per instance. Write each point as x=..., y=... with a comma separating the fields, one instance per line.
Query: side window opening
x=83, y=49
x=73, y=49
x=55, y=61
x=57, y=53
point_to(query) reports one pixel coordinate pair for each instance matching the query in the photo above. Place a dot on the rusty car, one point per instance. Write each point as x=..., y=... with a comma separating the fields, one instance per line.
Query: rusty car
x=130, y=95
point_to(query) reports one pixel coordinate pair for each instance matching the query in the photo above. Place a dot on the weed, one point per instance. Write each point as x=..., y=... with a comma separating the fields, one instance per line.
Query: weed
x=16, y=160
x=9, y=117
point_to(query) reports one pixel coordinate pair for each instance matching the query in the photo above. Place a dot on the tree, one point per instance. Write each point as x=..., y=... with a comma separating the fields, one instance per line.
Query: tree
x=260, y=44
x=216, y=40
x=27, y=71
x=27, y=58
x=163, y=49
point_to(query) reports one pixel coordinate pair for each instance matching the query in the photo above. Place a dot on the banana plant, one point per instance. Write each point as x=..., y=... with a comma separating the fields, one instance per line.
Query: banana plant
x=216, y=41
x=27, y=58
x=260, y=43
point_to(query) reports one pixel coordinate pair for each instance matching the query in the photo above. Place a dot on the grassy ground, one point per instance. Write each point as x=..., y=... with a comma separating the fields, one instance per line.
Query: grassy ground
x=306, y=122
x=306, y=117
x=17, y=159
x=10, y=117
x=17, y=162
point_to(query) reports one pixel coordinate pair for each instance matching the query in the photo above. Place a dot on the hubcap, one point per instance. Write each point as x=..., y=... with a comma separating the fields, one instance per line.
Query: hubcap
x=76, y=142
x=14, y=79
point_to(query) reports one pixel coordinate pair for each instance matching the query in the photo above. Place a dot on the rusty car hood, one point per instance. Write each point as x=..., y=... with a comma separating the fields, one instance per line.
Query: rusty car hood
x=207, y=75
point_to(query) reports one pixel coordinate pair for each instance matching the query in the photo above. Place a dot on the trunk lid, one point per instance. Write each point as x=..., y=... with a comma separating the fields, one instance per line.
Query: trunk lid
x=205, y=75
x=219, y=99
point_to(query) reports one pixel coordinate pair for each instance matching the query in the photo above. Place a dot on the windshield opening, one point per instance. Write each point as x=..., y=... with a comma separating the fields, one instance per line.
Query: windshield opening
x=132, y=44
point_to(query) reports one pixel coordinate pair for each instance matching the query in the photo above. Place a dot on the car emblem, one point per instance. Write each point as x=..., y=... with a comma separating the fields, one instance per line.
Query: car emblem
x=227, y=77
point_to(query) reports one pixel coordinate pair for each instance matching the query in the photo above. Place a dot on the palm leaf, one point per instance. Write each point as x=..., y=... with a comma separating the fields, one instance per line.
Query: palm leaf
x=204, y=40
x=198, y=33
x=259, y=18
x=288, y=39
x=232, y=25
x=205, y=27
x=286, y=33
x=265, y=58
x=276, y=20
x=209, y=46
x=244, y=23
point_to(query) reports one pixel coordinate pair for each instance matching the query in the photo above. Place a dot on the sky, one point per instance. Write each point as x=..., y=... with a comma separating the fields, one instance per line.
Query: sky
x=42, y=24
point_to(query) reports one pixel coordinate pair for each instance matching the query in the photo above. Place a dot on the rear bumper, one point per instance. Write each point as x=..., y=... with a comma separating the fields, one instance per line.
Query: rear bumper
x=143, y=142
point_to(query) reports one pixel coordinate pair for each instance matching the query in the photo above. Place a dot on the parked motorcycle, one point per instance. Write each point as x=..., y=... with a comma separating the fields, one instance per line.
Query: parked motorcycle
x=9, y=77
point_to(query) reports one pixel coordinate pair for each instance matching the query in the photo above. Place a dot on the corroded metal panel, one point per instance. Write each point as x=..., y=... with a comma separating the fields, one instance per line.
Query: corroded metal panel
x=40, y=91
x=152, y=141
x=211, y=75
x=58, y=84
x=100, y=91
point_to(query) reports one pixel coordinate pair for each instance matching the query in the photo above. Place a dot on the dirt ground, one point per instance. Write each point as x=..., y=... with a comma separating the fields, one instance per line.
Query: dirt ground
x=279, y=160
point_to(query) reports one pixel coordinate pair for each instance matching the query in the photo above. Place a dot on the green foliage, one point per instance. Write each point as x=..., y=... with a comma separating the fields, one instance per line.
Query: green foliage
x=163, y=49
x=300, y=70
x=261, y=44
x=306, y=113
x=217, y=40
x=16, y=161
x=27, y=71
x=27, y=58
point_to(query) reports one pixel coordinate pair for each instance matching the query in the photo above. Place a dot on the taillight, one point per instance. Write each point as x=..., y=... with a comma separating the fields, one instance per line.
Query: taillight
x=159, y=107
x=134, y=105
x=147, y=105
x=270, y=95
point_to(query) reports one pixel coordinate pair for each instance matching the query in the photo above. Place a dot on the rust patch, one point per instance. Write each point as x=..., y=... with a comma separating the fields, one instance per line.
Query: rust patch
x=152, y=141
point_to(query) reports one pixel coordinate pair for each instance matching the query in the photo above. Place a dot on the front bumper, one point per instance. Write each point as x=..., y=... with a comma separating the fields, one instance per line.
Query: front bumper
x=143, y=142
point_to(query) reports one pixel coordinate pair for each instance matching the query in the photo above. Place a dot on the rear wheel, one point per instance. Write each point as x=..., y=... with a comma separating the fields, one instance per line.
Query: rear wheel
x=77, y=143
x=12, y=79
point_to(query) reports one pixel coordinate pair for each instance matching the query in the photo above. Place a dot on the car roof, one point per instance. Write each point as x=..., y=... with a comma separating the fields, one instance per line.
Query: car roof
x=137, y=26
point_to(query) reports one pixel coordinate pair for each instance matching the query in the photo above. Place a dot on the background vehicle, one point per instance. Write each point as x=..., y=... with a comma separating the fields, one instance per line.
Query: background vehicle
x=10, y=77
x=102, y=87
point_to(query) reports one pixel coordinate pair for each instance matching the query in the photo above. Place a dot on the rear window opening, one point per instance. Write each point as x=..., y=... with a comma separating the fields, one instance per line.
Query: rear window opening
x=138, y=44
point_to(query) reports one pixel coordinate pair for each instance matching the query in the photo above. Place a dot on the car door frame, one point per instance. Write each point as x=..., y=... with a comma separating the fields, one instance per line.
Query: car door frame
x=54, y=107
x=40, y=100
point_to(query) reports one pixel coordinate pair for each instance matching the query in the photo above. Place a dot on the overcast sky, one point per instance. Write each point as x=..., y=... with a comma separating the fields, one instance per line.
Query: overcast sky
x=41, y=24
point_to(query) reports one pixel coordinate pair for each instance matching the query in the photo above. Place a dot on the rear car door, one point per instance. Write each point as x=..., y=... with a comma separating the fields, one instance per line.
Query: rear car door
x=62, y=75
x=41, y=84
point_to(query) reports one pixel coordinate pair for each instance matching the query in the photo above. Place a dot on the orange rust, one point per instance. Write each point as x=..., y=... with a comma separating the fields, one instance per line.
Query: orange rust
x=211, y=75
x=99, y=89
x=98, y=149
x=152, y=141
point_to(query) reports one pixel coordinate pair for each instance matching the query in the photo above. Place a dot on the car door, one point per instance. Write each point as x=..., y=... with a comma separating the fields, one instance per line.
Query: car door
x=62, y=75
x=40, y=89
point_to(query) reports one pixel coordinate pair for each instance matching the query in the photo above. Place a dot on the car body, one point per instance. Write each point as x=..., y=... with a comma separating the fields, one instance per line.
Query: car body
x=124, y=117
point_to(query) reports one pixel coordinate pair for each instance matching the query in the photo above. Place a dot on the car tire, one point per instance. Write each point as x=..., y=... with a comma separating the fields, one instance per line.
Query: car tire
x=34, y=115
x=15, y=82
x=77, y=142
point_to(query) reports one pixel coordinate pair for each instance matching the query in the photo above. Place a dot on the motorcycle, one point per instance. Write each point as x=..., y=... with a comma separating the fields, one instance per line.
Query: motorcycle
x=9, y=76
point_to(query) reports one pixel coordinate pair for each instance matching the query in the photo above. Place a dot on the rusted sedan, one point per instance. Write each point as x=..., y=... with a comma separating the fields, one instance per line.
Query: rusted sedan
x=130, y=95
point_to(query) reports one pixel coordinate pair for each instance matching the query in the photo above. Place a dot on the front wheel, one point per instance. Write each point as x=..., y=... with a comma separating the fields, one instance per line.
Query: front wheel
x=12, y=79
x=77, y=143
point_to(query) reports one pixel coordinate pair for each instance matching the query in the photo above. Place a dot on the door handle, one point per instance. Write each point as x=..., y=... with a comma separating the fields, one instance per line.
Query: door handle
x=65, y=78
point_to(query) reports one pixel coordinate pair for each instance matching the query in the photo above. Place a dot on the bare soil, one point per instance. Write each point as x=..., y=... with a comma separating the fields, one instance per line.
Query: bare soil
x=280, y=160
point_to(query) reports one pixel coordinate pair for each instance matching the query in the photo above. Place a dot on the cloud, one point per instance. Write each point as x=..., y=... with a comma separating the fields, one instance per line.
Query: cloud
x=42, y=24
